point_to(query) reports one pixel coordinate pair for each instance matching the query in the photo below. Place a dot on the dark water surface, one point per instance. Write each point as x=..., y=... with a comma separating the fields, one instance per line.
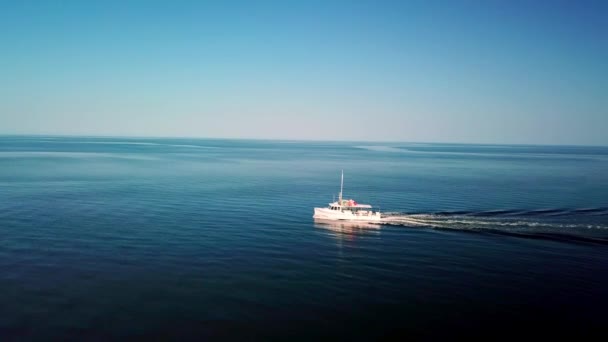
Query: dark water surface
x=106, y=238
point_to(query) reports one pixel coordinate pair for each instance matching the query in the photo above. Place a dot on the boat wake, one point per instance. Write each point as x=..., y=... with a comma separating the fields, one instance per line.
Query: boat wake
x=584, y=224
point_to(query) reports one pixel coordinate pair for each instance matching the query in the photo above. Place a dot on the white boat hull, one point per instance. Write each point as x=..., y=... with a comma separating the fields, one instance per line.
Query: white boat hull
x=346, y=215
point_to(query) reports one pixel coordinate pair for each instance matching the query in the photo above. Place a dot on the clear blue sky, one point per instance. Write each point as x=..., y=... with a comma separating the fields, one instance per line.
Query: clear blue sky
x=445, y=71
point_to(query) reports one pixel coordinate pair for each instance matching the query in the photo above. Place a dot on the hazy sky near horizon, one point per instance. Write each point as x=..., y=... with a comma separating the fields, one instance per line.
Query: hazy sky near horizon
x=444, y=71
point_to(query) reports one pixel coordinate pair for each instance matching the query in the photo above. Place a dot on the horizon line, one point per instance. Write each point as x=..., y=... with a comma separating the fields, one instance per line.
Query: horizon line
x=283, y=139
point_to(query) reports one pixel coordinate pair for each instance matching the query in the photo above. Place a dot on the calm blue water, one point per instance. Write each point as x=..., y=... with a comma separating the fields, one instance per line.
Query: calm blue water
x=182, y=238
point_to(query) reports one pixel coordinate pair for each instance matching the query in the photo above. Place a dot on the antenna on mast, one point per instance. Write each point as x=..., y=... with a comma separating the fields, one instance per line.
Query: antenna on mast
x=341, y=186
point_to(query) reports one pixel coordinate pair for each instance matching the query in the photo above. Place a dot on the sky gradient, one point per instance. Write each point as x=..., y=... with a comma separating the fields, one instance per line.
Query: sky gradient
x=430, y=71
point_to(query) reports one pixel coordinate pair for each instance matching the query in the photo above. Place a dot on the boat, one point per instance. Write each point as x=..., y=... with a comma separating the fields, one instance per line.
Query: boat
x=347, y=210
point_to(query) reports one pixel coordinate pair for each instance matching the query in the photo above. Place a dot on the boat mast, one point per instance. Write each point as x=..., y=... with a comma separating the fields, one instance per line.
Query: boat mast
x=341, y=185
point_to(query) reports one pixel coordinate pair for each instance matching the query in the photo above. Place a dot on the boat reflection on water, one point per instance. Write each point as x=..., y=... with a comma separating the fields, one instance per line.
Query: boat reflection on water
x=347, y=229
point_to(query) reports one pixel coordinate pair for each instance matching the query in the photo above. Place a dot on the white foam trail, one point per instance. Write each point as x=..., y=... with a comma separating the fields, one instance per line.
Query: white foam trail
x=426, y=220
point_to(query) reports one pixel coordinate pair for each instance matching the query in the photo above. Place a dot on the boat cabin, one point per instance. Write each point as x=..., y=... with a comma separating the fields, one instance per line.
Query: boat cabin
x=349, y=205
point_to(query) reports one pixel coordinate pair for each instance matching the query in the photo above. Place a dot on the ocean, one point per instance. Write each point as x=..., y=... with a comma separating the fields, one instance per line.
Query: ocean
x=196, y=239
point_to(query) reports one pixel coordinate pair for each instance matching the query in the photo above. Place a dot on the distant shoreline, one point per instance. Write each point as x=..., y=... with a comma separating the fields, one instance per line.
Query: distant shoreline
x=438, y=143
